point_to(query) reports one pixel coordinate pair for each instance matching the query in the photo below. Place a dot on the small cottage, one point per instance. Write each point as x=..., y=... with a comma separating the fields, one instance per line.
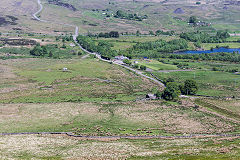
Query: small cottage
x=151, y=96
x=121, y=57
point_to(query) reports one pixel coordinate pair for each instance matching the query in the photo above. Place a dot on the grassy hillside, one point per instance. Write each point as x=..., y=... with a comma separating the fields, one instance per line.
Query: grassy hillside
x=91, y=16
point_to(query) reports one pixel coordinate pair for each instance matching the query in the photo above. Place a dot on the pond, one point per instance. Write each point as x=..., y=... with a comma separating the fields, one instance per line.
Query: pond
x=216, y=50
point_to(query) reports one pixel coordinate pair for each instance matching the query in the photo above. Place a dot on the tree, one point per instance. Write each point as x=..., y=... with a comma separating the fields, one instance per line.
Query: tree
x=158, y=94
x=136, y=66
x=114, y=34
x=142, y=67
x=138, y=33
x=120, y=14
x=38, y=51
x=170, y=79
x=171, y=92
x=64, y=45
x=50, y=54
x=193, y=19
x=127, y=61
x=190, y=87
x=151, y=33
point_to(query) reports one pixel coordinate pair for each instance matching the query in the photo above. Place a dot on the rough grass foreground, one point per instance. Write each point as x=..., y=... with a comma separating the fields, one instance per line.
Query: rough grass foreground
x=109, y=119
x=60, y=147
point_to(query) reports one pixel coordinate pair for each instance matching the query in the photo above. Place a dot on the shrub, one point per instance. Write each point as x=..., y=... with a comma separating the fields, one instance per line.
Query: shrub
x=142, y=67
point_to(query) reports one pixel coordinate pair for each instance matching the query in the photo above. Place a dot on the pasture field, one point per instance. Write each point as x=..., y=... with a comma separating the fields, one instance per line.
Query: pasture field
x=85, y=80
x=231, y=105
x=58, y=147
x=233, y=38
x=208, y=46
x=201, y=64
x=213, y=83
x=156, y=65
x=227, y=107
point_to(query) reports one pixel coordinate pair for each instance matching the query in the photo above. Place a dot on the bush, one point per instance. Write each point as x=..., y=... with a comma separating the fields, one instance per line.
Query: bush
x=165, y=81
x=127, y=61
x=142, y=67
x=136, y=66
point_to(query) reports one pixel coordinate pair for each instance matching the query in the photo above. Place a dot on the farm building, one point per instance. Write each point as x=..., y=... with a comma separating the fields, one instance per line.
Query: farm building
x=151, y=96
x=120, y=57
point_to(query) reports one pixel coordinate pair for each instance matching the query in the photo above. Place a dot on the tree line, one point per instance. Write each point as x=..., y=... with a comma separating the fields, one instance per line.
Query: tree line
x=123, y=15
x=201, y=37
x=231, y=57
x=173, y=89
x=155, y=48
x=102, y=47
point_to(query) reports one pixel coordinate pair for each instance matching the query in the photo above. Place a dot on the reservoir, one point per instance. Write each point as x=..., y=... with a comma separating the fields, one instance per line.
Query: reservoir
x=216, y=50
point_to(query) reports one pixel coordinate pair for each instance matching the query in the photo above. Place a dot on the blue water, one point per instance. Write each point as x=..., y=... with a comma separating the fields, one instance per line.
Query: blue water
x=216, y=50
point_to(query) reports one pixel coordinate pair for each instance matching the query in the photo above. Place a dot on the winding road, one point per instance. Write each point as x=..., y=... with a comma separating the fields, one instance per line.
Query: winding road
x=39, y=11
x=96, y=54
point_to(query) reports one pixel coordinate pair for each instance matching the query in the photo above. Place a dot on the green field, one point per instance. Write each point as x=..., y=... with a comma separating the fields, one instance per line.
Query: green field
x=213, y=83
x=156, y=65
x=85, y=80
x=208, y=46
x=228, y=105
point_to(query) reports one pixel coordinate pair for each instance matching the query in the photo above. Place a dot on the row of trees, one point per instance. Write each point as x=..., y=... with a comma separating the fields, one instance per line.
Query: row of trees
x=102, y=47
x=201, y=37
x=53, y=51
x=160, y=32
x=150, y=48
x=65, y=38
x=173, y=90
x=112, y=34
x=39, y=51
x=231, y=57
x=123, y=15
